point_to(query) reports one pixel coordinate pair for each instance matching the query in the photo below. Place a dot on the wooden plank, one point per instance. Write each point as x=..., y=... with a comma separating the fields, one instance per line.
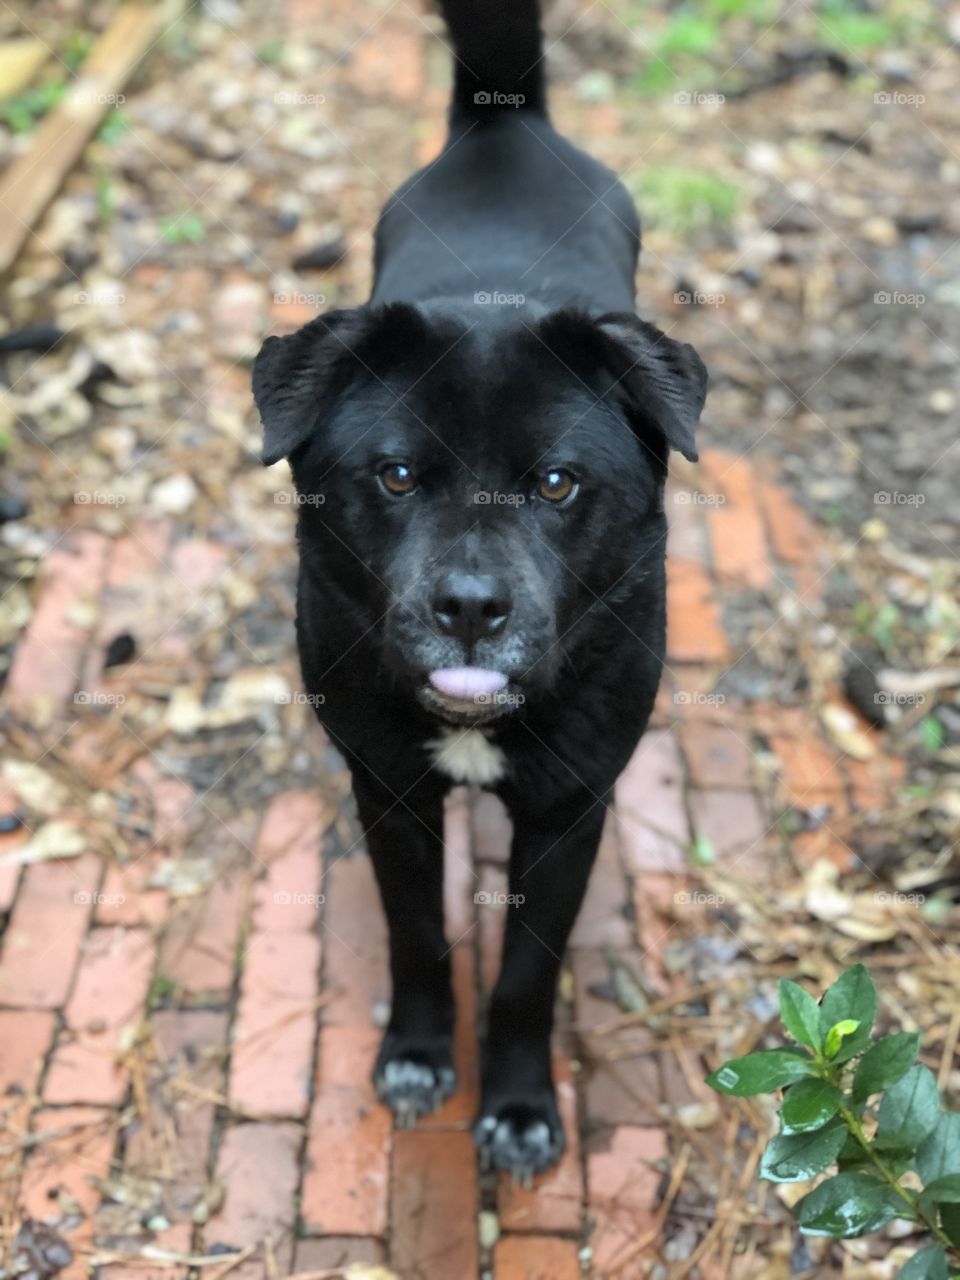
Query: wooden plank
x=34, y=178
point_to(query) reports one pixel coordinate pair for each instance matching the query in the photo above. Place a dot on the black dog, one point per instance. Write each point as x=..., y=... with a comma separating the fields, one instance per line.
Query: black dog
x=479, y=453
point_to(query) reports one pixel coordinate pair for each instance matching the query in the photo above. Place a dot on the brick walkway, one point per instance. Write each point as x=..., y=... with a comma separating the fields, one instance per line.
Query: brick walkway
x=188, y=1020
x=174, y=1043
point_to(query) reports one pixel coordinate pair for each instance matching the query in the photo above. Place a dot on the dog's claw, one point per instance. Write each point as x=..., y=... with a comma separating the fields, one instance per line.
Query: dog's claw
x=521, y=1144
x=411, y=1089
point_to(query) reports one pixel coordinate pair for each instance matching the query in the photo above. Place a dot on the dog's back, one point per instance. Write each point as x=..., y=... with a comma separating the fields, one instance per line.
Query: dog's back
x=510, y=206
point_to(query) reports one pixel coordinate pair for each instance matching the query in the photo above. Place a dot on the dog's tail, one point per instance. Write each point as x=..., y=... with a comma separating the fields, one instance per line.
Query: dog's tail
x=498, y=57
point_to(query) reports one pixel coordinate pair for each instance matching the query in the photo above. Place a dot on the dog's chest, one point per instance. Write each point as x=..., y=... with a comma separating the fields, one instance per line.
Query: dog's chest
x=468, y=756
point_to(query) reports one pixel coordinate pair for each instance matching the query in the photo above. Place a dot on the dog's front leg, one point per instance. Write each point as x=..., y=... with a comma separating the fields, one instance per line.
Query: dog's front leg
x=519, y=1128
x=414, y=1070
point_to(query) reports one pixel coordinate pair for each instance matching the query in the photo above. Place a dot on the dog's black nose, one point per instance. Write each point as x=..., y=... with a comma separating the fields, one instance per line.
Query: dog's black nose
x=471, y=605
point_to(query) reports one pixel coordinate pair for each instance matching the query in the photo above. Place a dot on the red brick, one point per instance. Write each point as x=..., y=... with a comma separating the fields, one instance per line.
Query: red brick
x=257, y=1166
x=59, y=1180
x=733, y=824
x=131, y=601
x=536, y=1258
x=556, y=1202
x=388, y=59
x=811, y=770
x=46, y=663
x=25, y=1038
x=694, y=627
x=739, y=545
x=286, y=316
x=461, y=1108
x=200, y=946
x=737, y=534
x=336, y=1254
x=174, y=1134
x=794, y=536
x=602, y=920
x=654, y=897
x=272, y=1057
x=291, y=845
x=42, y=942
x=355, y=943
x=460, y=881
x=623, y=1193
x=718, y=755
x=687, y=535
x=492, y=829
x=651, y=816
x=108, y=1000
x=348, y=1143
x=492, y=914
x=434, y=1205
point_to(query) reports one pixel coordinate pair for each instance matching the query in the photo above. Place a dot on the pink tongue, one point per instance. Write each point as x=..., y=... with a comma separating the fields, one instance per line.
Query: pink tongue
x=467, y=682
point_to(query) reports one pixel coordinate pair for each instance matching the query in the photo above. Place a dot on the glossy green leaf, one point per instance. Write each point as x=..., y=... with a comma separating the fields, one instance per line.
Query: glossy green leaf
x=761, y=1072
x=884, y=1064
x=950, y=1221
x=928, y=1264
x=799, y=1156
x=800, y=1014
x=945, y=1190
x=908, y=1113
x=852, y=996
x=850, y=1204
x=808, y=1105
x=939, y=1154
x=837, y=1034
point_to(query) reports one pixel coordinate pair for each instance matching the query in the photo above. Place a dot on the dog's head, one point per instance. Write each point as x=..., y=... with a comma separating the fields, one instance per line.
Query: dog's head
x=478, y=489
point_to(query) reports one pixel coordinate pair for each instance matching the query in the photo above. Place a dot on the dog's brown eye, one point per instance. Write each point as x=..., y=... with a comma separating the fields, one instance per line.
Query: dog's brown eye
x=557, y=486
x=397, y=479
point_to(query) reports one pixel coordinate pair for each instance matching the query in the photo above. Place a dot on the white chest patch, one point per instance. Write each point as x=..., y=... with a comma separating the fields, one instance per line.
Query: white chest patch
x=467, y=755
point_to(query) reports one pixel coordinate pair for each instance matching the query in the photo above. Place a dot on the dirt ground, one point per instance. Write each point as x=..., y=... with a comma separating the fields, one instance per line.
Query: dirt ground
x=796, y=808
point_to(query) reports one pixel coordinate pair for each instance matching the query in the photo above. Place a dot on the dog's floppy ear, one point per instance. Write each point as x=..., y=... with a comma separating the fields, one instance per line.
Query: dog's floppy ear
x=296, y=378
x=661, y=384
x=665, y=381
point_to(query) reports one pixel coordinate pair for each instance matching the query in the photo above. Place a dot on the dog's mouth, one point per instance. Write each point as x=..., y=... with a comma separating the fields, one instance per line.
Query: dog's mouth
x=469, y=694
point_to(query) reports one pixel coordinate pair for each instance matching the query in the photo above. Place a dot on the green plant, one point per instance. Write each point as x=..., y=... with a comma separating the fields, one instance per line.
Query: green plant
x=866, y=1107
x=183, y=228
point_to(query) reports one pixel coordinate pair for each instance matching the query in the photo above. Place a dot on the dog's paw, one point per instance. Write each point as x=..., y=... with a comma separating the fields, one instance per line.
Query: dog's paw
x=413, y=1081
x=520, y=1139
